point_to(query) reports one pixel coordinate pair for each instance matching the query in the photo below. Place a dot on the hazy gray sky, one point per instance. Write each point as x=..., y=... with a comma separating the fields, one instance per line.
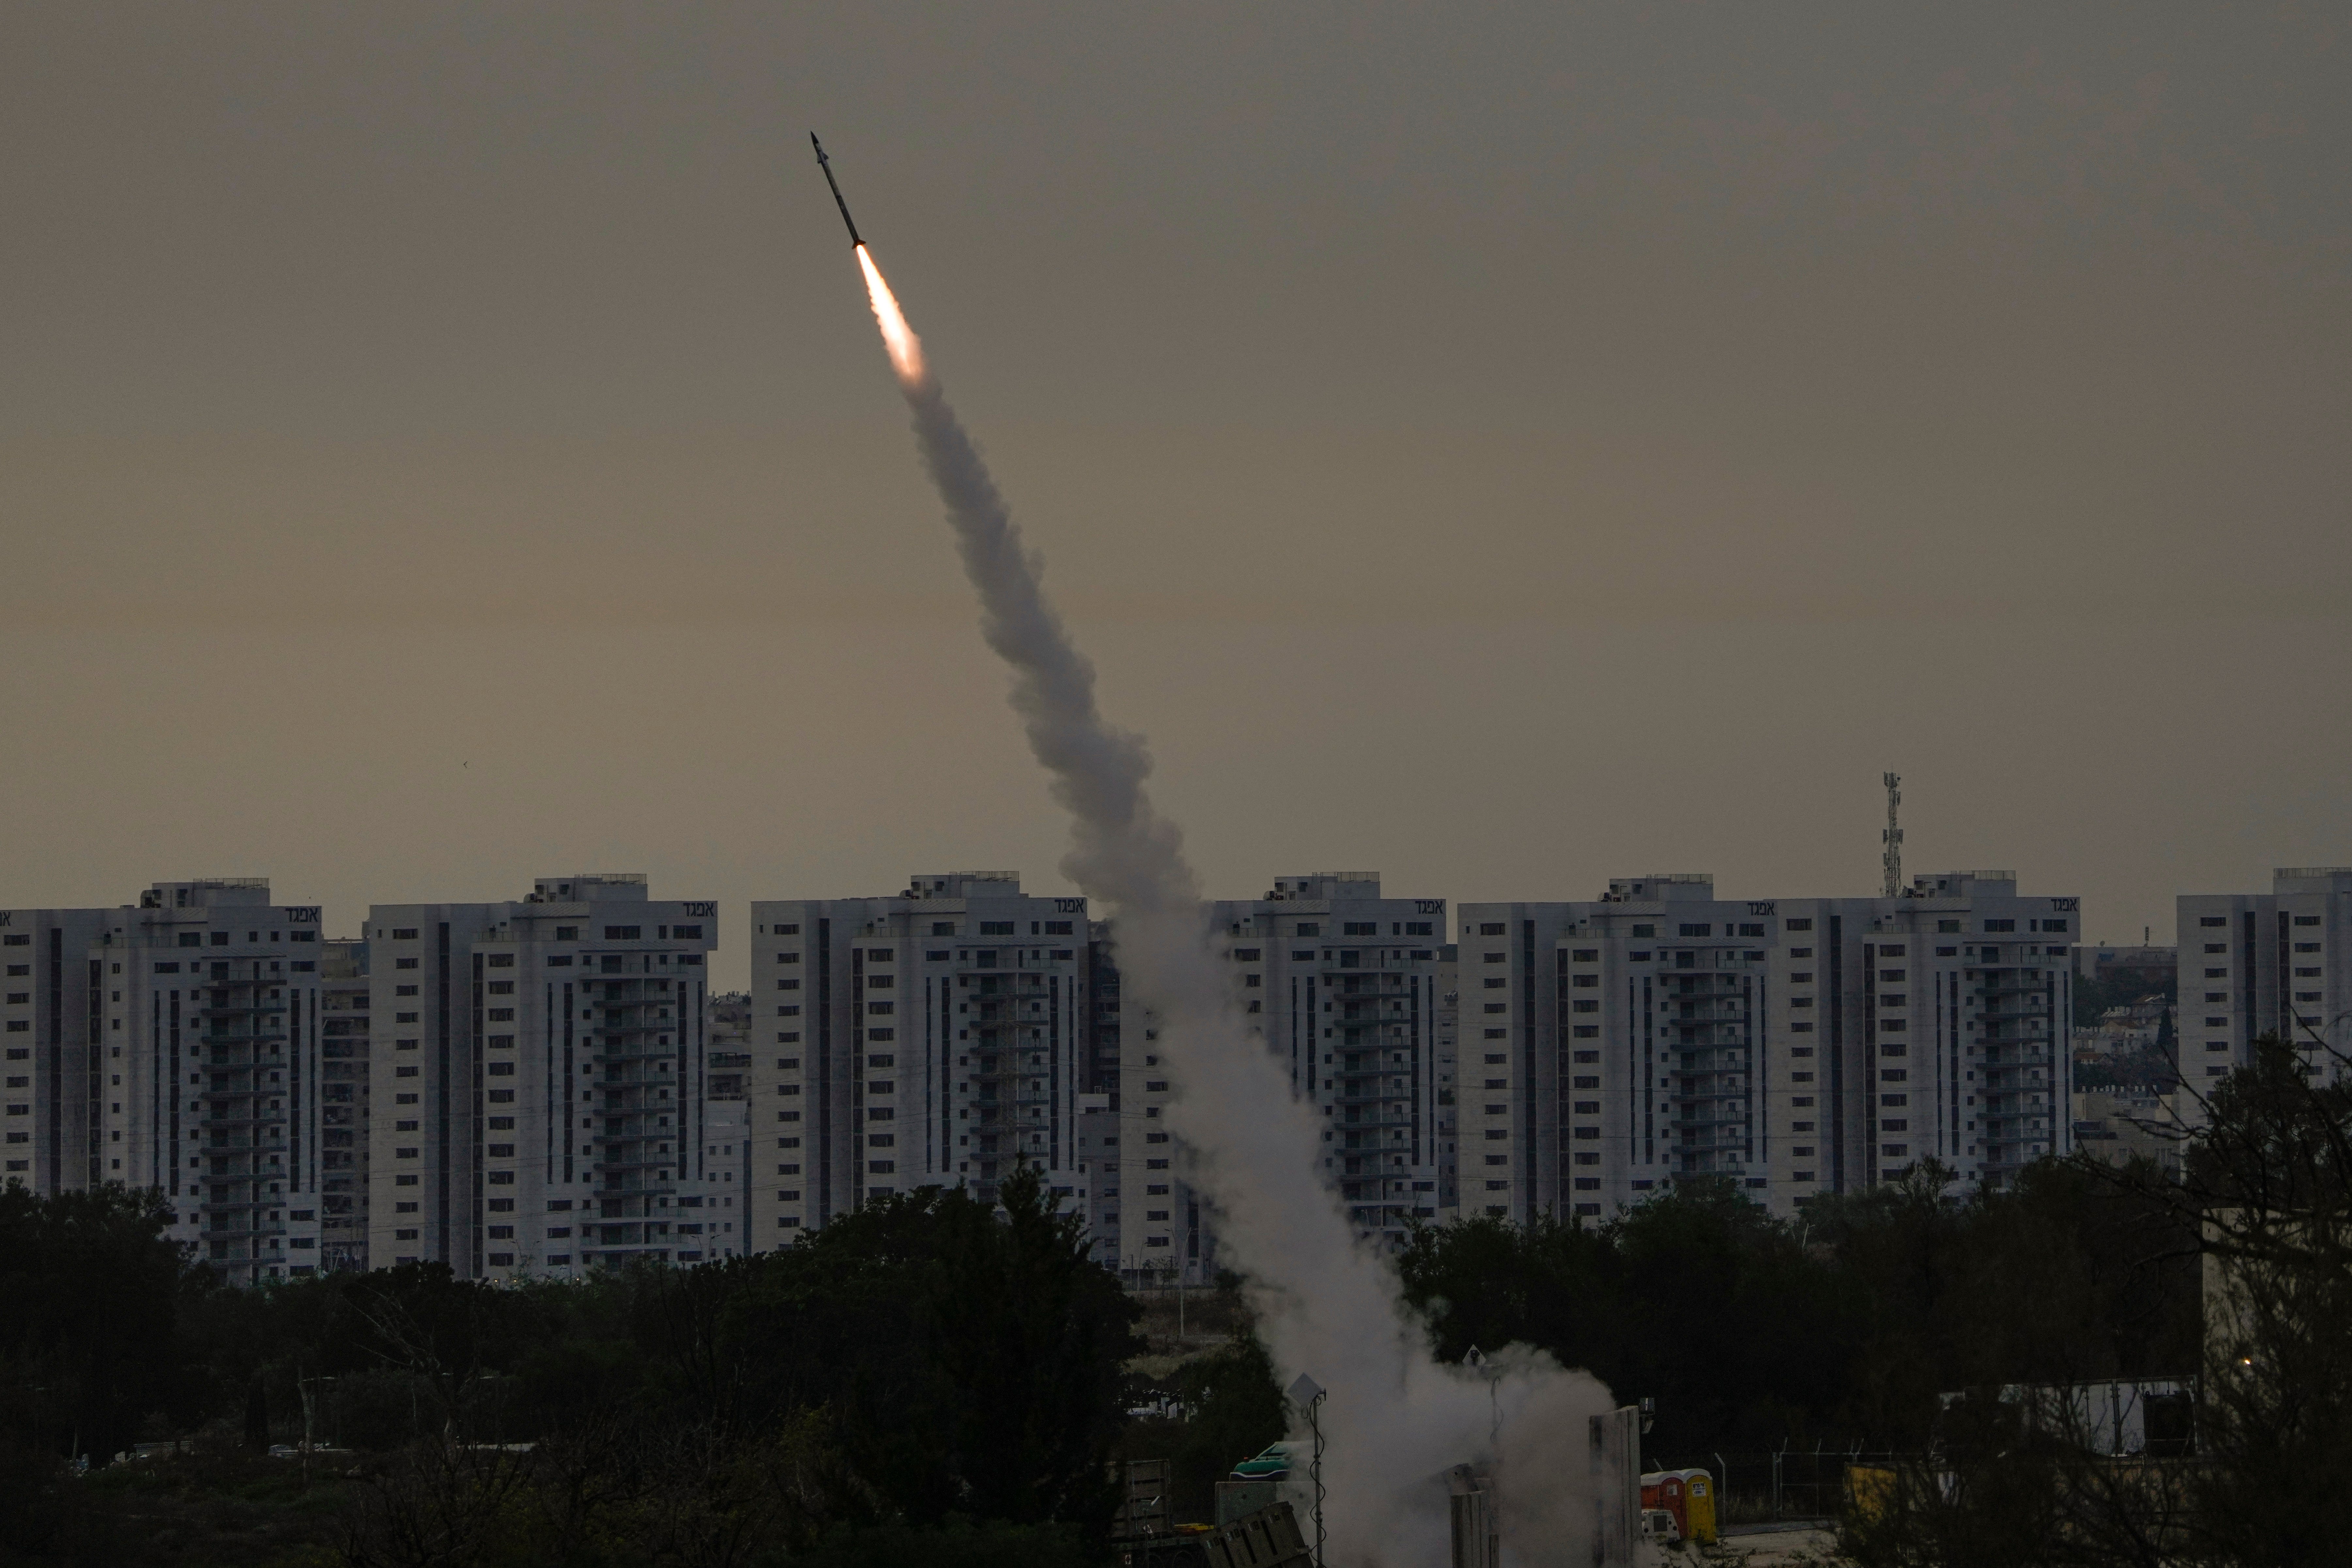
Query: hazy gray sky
x=1499, y=447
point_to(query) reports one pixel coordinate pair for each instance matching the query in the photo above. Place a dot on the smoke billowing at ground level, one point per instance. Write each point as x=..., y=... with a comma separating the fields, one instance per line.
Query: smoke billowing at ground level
x=1395, y=1420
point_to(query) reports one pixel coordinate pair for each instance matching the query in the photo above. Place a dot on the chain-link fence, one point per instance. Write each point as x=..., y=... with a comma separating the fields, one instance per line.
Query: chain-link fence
x=1788, y=1483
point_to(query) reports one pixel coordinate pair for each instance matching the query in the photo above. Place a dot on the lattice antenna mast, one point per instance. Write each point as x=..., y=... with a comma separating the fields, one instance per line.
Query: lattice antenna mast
x=1891, y=861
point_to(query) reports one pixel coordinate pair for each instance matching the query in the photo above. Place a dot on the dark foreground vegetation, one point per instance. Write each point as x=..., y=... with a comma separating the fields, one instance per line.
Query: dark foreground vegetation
x=922, y=1381
x=1932, y=1331
x=928, y=1382
x=1841, y=1327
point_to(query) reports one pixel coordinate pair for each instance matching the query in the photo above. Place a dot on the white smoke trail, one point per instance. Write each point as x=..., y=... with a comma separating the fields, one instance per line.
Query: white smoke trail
x=1395, y=1420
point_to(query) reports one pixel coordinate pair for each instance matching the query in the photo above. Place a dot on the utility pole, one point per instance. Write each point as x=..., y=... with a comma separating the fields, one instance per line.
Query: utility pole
x=1306, y=1396
x=1891, y=862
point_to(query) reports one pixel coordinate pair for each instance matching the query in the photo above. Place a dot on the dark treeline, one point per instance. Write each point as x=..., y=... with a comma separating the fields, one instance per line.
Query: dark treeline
x=923, y=1380
x=2094, y=994
x=1939, y=1330
x=2265, y=1196
x=930, y=1380
x=1841, y=1327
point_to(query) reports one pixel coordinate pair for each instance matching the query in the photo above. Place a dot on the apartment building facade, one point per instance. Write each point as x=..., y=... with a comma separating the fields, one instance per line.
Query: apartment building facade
x=2258, y=964
x=726, y=1125
x=175, y=1044
x=538, y=1080
x=344, y=1002
x=1795, y=1046
x=929, y=1037
x=48, y=1099
x=1348, y=989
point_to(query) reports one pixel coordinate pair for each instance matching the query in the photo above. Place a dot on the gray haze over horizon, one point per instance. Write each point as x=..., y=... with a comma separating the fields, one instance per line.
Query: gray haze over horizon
x=444, y=447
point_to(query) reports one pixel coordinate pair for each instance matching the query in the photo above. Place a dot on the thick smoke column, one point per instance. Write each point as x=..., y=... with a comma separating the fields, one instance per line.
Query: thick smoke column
x=1395, y=1420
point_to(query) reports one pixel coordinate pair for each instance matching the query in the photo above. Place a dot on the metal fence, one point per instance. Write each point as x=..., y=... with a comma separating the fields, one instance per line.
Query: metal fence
x=1786, y=1483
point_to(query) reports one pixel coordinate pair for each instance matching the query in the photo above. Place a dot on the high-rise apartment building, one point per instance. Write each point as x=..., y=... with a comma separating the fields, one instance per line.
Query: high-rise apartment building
x=1346, y=989
x=344, y=1000
x=725, y=1128
x=933, y=1037
x=2261, y=963
x=539, y=1074
x=47, y=1093
x=1796, y=1046
x=174, y=1045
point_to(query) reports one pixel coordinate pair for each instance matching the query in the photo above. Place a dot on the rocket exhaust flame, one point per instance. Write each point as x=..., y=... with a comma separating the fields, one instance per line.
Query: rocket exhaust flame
x=906, y=350
x=1396, y=1421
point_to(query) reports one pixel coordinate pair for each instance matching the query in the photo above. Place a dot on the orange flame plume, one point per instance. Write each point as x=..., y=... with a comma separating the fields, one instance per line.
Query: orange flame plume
x=906, y=348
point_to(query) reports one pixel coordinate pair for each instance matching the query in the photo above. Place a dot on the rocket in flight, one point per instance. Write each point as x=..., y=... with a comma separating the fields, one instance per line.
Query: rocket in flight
x=826, y=164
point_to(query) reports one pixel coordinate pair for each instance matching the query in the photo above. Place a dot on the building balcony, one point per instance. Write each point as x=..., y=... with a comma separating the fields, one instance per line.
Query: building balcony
x=1998, y=983
x=263, y=1029
x=613, y=1057
x=625, y=1185
x=1726, y=1009
x=624, y=1026
x=635, y=1072
x=632, y=1130
x=623, y=1159
x=222, y=1205
x=1355, y=988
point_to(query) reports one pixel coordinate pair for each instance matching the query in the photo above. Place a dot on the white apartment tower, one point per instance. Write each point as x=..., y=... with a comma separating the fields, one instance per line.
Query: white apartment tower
x=1796, y=1046
x=2260, y=963
x=726, y=1127
x=344, y=1002
x=930, y=1037
x=48, y=1096
x=174, y=1045
x=539, y=1073
x=1346, y=988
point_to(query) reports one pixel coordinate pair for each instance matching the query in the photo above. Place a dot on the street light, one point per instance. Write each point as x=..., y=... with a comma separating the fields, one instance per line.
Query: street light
x=1307, y=1395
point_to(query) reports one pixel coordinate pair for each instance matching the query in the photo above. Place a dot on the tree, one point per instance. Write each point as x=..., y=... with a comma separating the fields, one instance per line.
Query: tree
x=1697, y=1297
x=1235, y=1409
x=89, y=1294
x=968, y=1363
x=2270, y=1175
x=2264, y=1203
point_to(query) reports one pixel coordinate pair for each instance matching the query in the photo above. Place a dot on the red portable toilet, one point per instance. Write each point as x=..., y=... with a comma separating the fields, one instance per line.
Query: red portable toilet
x=1688, y=1495
x=1664, y=1489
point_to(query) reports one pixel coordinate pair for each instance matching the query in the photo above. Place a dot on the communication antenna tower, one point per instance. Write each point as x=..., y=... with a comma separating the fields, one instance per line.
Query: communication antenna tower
x=1891, y=862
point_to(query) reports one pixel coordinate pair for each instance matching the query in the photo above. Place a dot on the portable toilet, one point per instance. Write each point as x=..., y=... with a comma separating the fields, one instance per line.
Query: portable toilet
x=1662, y=1489
x=1869, y=1490
x=1698, y=1503
x=1688, y=1495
